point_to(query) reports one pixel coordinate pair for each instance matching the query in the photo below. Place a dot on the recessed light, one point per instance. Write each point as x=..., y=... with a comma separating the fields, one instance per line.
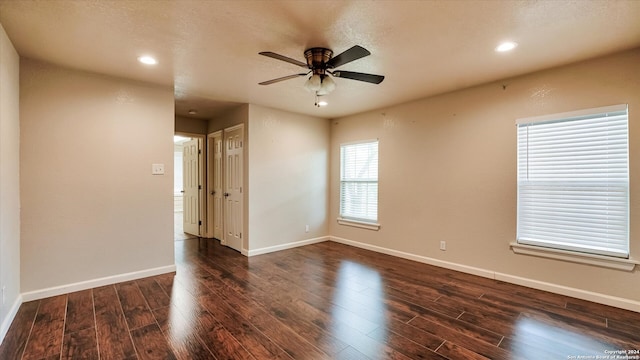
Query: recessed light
x=506, y=46
x=192, y=112
x=322, y=103
x=147, y=60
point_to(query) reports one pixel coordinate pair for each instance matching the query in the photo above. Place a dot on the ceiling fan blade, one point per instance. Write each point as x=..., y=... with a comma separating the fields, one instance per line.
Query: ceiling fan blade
x=283, y=58
x=269, y=82
x=370, y=78
x=354, y=53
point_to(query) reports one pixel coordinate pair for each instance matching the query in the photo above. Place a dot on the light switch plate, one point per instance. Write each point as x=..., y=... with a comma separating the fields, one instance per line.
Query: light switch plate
x=157, y=169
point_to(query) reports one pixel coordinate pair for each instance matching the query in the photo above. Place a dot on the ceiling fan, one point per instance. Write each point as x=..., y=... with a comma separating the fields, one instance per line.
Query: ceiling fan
x=321, y=63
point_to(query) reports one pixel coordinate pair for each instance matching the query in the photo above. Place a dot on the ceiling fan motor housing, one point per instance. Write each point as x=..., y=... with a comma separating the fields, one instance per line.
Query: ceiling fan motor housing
x=317, y=59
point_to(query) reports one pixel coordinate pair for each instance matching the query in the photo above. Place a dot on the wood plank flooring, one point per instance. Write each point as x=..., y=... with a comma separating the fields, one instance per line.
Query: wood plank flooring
x=322, y=301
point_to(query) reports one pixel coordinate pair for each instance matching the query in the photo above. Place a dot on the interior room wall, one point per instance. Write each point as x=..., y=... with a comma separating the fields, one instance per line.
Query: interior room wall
x=288, y=179
x=191, y=126
x=447, y=172
x=235, y=116
x=9, y=182
x=92, y=212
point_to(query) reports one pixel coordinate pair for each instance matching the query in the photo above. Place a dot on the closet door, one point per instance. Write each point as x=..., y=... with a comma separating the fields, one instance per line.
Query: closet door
x=233, y=180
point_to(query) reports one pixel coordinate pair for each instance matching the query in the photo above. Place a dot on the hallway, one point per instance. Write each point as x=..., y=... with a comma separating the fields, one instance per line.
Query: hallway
x=178, y=233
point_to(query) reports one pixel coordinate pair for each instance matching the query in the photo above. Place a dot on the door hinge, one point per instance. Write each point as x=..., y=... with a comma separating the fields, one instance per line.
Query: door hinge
x=199, y=187
x=199, y=151
x=240, y=235
x=199, y=222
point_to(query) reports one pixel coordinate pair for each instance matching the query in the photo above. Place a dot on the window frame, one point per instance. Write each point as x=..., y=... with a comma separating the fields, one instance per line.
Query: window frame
x=547, y=248
x=346, y=219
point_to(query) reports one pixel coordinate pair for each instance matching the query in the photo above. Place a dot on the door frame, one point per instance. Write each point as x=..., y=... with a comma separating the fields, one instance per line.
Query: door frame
x=210, y=176
x=202, y=180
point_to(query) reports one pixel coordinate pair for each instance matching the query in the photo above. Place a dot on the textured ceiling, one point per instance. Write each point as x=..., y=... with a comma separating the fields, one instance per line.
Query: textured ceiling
x=208, y=50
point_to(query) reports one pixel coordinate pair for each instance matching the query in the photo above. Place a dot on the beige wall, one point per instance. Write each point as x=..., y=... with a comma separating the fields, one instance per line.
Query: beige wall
x=90, y=206
x=9, y=181
x=447, y=170
x=191, y=126
x=235, y=116
x=288, y=179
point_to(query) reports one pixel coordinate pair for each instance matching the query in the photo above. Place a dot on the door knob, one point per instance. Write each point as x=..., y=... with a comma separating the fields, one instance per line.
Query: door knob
x=226, y=194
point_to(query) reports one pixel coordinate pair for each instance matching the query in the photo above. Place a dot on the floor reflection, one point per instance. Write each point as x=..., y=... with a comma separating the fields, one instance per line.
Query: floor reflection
x=369, y=330
x=178, y=231
x=183, y=312
x=535, y=339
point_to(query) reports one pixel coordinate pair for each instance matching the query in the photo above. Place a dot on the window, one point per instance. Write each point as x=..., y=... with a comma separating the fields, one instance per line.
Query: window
x=359, y=182
x=573, y=181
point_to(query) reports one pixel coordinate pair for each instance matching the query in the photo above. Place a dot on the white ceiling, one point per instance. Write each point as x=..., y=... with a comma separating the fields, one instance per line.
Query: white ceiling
x=209, y=50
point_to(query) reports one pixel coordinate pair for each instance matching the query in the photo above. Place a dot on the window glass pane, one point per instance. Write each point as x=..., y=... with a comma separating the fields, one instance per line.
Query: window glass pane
x=359, y=181
x=573, y=183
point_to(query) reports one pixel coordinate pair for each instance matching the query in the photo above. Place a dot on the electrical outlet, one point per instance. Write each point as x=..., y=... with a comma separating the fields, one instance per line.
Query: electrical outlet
x=443, y=245
x=306, y=228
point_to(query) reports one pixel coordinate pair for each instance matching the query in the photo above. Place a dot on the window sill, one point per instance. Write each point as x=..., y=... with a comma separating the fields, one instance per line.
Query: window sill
x=359, y=224
x=597, y=260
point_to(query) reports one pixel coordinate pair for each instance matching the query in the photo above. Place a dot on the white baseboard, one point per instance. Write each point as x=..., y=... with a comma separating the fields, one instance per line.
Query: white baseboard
x=599, y=298
x=4, y=327
x=618, y=302
x=418, y=258
x=290, y=245
x=89, y=284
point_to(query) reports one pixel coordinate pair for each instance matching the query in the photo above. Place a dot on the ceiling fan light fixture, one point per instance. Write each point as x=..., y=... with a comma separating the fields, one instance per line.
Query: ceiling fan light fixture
x=314, y=83
x=320, y=84
x=328, y=85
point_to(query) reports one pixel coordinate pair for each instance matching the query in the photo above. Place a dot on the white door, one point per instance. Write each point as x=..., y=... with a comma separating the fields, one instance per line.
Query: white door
x=233, y=179
x=215, y=200
x=191, y=184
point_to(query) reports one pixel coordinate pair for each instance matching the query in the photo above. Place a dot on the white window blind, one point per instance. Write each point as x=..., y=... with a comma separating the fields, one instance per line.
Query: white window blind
x=359, y=181
x=573, y=181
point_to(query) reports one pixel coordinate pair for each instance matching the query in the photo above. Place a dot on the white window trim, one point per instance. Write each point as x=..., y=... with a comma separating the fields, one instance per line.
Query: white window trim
x=359, y=224
x=611, y=262
x=363, y=224
x=576, y=257
x=570, y=114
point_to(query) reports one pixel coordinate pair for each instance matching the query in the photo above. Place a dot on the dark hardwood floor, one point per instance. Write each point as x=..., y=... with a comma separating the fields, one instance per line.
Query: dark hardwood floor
x=322, y=301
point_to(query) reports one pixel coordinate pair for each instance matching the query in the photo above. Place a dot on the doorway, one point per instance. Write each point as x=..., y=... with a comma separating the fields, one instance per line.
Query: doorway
x=187, y=189
x=225, y=195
